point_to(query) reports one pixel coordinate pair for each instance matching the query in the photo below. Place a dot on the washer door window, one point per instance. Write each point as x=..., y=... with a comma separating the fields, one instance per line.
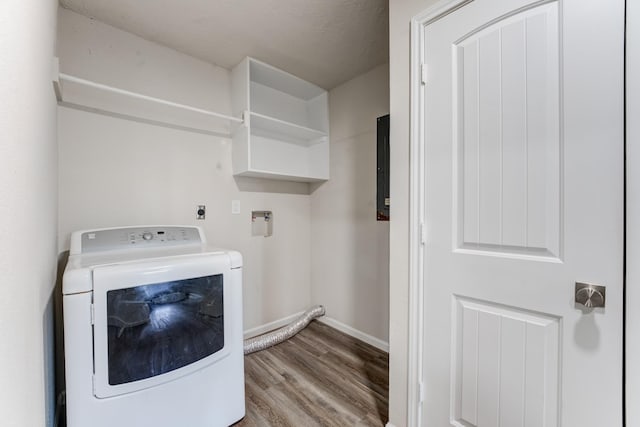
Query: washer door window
x=157, y=328
x=154, y=322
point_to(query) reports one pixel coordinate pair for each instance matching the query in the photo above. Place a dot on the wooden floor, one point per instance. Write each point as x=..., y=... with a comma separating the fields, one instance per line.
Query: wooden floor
x=320, y=377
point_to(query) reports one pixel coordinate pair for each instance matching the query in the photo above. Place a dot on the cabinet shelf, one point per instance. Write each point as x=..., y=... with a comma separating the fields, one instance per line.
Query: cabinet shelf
x=287, y=134
x=271, y=127
x=270, y=174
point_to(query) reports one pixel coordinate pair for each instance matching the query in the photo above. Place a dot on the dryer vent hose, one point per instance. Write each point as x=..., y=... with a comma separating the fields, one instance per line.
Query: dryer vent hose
x=261, y=342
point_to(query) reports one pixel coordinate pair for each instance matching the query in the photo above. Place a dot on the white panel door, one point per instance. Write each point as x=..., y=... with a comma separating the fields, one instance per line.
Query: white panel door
x=521, y=138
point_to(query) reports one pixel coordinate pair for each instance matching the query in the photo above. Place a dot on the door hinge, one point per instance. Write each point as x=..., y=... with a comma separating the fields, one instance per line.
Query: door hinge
x=93, y=314
x=421, y=391
x=423, y=74
x=423, y=234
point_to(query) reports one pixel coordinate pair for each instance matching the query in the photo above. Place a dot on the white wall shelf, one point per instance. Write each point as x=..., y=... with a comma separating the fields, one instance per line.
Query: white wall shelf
x=287, y=134
x=83, y=94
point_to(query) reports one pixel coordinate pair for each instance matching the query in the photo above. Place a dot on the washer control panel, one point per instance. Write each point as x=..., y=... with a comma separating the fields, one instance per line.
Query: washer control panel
x=139, y=237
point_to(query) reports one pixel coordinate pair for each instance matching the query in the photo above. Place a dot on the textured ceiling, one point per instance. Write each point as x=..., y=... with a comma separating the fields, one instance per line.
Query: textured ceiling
x=324, y=41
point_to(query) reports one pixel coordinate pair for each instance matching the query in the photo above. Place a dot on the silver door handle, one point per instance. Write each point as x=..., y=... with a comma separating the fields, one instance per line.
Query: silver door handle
x=591, y=296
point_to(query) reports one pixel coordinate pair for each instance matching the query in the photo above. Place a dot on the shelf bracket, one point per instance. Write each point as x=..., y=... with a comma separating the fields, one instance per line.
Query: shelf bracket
x=55, y=78
x=246, y=118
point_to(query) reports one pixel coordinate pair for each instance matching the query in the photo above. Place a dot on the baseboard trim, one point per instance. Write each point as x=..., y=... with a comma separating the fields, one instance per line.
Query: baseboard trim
x=369, y=339
x=268, y=327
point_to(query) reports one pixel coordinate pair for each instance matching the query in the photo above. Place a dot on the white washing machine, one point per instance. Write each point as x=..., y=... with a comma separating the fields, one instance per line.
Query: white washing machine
x=152, y=329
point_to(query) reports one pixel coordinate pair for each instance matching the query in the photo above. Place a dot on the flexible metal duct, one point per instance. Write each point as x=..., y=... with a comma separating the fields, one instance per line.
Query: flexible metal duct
x=261, y=342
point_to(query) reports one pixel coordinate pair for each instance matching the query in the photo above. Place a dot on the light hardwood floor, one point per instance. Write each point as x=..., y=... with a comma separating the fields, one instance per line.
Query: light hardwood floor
x=320, y=377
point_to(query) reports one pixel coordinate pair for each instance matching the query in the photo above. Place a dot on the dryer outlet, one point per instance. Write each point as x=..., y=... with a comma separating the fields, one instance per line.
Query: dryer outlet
x=201, y=212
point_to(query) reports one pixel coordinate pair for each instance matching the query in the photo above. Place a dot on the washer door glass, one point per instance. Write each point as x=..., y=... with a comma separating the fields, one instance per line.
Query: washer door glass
x=157, y=328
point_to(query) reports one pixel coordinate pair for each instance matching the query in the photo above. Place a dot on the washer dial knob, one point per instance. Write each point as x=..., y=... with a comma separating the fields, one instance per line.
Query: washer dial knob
x=147, y=235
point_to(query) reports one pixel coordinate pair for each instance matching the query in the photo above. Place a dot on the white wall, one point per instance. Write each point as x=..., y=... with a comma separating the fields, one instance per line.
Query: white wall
x=633, y=213
x=28, y=212
x=119, y=172
x=400, y=14
x=350, y=249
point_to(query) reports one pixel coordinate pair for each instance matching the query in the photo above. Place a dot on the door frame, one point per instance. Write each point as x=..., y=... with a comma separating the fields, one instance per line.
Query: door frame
x=417, y=203
x=632, y=220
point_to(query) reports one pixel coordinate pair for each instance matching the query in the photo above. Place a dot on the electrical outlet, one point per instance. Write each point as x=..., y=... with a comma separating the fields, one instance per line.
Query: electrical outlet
x=235, y=207
x=201, y=212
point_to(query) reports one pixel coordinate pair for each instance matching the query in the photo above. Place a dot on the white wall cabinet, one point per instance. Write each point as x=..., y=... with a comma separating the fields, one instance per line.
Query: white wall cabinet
x=286, y=130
